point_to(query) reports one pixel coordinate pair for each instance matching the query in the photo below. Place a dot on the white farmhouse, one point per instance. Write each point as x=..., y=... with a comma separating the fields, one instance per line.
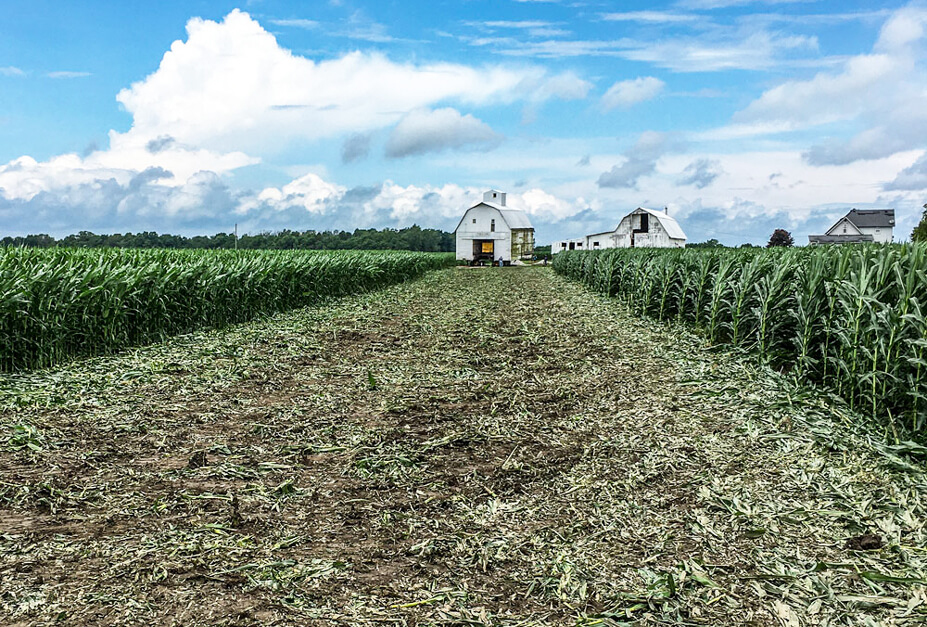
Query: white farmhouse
x=490, y=231
x=860, y=226
x=642, y=228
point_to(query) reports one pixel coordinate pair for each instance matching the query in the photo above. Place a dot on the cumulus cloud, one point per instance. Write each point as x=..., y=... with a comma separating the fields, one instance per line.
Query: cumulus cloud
x=231, y=84
x=701, y=173
x=640, y=160
x=626, y=94
x=425, y=131
x=229, y=96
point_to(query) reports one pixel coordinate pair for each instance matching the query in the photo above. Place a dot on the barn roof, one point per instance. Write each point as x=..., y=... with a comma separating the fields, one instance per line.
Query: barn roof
x=872, y=218
x=514, y=218
x=669, y=224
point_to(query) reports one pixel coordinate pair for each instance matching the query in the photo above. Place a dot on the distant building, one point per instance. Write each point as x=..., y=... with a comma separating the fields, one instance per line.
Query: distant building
x=490, y=231
x=860, y=226
x=578, y=243
x=642, y=228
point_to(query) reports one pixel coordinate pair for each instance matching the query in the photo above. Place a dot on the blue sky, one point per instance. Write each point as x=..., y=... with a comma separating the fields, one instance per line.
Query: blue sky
x=739, y=116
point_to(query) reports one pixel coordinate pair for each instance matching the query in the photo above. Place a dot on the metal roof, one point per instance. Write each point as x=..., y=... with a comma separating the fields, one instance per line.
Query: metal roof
x=514, y=218
x=872, y=218
x=669, y=224
x=839, y=239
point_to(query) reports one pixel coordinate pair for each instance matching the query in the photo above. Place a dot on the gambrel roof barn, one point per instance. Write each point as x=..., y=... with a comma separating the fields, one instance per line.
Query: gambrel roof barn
x=491, y=231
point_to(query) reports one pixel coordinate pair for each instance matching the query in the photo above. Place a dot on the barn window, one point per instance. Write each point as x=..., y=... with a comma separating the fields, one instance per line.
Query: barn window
x=562, y=244
x=492, y=225
x=595, y=244
x=474, y=220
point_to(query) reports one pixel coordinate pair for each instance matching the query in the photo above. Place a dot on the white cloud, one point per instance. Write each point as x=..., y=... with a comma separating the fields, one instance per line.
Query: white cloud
x=757, y=51
x=715, y=51
x=296, y=23
x=625, y=94
x=913, y=178
x=10, y=70
x=639, y=161
x=650, y=17
x=230, y=95
x=68, y=74
x=723, y=4
x=701, y=173
x=309, y=192
x=432, y=131
x=882, y=91
x=231, y=84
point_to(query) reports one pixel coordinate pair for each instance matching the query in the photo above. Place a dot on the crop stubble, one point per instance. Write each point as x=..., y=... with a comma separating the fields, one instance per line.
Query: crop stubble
x=480, y=446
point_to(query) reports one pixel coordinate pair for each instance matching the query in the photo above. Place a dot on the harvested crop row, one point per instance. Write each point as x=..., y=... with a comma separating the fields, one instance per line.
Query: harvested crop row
x=62, y=303
x=850, y=319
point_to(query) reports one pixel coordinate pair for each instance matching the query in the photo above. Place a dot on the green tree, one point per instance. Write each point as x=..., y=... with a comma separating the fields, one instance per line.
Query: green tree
x=919, y=234
x=780, y=237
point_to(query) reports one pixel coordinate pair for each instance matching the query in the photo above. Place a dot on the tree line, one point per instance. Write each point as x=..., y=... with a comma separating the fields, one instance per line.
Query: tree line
x=409, y=238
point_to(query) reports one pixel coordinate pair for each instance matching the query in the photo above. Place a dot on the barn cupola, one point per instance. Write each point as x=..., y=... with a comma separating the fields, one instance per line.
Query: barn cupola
x=495, y=197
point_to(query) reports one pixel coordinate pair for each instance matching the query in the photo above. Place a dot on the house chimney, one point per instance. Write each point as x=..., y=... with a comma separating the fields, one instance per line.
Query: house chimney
x=666, y=210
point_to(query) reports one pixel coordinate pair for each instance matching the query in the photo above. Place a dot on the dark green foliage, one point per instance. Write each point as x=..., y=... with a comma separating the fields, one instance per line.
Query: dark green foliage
x=712, y=243
x=853, y=319
x=411, y=238
x=780, y=237
x=919, y=234
x=60, y=303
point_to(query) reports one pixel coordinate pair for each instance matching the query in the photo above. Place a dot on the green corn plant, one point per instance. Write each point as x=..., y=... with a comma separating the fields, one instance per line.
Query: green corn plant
x=850, y=319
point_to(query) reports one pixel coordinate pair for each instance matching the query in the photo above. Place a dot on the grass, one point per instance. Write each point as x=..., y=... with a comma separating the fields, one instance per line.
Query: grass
x=480, y=446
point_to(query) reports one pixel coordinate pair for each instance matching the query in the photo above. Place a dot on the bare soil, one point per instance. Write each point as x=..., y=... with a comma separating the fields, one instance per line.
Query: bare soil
x=479, y=447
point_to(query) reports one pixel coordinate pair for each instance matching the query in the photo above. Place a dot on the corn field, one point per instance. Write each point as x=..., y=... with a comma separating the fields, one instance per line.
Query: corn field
x=851, y=319
x=56, y=304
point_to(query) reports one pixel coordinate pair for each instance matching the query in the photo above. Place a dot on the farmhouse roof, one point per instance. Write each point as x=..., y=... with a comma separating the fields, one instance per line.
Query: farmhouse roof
x=872, y=218
x=840, y=239
x=669, y=224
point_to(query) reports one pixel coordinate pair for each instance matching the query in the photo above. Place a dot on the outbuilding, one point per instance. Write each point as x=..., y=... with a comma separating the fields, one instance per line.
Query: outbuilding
x=578, y=243
x=642, y=228
x=489, y=231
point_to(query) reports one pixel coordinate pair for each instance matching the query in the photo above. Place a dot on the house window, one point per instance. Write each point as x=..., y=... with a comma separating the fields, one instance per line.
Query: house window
x=492, y=225
x=844, y=230
x=474, y=220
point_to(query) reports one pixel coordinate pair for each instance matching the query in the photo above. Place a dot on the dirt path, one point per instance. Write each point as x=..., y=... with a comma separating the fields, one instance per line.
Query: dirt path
x=480, y=447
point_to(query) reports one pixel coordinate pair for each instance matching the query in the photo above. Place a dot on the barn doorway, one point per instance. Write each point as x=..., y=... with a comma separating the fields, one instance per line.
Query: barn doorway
x=483, y=249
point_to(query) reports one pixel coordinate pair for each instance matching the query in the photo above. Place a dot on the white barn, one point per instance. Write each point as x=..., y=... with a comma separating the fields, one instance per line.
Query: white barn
x=860, y=226
x=490, y=231
x=642, y=228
